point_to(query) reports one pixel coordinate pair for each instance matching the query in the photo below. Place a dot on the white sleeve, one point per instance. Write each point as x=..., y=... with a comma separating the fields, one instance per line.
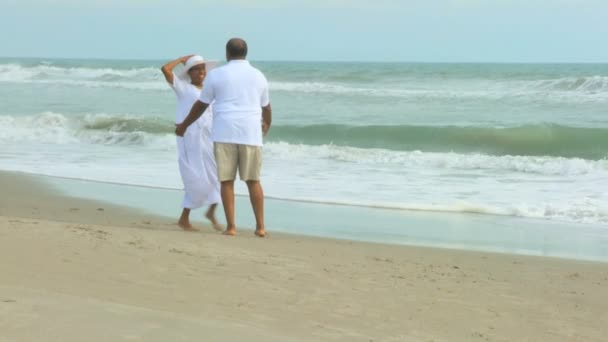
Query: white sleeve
x=265, y=97
x=178, y=85
x=208, y=93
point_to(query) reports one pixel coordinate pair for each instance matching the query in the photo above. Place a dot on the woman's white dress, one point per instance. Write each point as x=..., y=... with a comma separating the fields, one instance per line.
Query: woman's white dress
x=195, y=150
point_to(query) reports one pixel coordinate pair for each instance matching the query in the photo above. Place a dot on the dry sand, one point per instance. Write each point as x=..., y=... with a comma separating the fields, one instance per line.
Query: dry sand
x=72, y=272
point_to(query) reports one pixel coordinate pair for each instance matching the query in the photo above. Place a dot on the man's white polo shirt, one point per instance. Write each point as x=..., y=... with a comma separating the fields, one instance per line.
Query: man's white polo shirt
x=239, y=91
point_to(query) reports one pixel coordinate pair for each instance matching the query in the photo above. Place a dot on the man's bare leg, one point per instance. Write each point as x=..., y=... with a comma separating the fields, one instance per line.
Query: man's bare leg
x=184, y=221
x=256, y=196
x=210, y=215
x=228, y=202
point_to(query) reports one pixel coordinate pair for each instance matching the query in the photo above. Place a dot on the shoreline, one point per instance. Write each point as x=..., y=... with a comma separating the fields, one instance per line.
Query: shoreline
x=459, y=231
x=28, y=196
x=283, y=199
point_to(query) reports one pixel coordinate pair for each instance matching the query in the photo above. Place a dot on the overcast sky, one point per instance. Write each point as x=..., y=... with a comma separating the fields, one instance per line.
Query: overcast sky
x=327, y=30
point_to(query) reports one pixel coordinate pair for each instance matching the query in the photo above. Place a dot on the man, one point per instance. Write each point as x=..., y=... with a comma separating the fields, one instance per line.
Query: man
x=242, y=114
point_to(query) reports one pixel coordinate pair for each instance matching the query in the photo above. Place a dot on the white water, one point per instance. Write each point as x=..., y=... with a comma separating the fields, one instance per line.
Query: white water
x=541, y=187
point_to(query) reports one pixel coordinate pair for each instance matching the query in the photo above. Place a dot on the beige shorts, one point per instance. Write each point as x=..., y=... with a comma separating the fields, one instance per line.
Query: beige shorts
x=229, y=157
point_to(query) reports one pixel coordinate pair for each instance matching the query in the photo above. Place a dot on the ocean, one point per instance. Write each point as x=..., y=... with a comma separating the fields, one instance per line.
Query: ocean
x=520, y=140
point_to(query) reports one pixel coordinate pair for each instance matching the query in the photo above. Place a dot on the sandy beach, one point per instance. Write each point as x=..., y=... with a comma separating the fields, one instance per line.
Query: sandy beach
x=79, y=270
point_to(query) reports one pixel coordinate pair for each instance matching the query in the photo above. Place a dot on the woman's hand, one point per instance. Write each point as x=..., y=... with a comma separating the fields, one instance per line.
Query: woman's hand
x=184, y=59
x=167, y=69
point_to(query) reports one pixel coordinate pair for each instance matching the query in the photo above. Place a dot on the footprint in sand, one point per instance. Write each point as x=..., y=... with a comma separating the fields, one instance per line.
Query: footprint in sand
x=79, y=227
x=179, y=251
x=19, y=221
x=100, y=234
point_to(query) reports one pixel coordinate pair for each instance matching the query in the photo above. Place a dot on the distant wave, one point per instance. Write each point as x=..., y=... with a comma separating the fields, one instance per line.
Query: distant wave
x=402, y=145
x=583, y=89
x=16, y=72
x=530, y=140
x=592, y=88
x=592, y=84
x=135, y=78
x=104, y=129
x=448, y=161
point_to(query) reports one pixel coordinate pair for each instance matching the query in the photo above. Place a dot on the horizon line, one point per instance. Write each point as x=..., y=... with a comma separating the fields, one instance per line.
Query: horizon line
x=314, y=61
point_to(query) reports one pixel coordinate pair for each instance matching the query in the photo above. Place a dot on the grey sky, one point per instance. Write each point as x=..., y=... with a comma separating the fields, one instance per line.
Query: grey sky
x=379, y=30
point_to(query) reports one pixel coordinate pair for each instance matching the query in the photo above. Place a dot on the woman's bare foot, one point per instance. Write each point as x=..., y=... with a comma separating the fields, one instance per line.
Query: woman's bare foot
x=187, y=226
x=210, y=215
x=184, y=221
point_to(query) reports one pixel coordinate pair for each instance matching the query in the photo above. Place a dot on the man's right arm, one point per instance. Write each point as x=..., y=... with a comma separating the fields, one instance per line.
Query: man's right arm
x=198, y=108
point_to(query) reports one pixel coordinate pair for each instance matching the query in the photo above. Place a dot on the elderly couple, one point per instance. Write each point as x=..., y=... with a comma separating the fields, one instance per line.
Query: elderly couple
x=213, y=143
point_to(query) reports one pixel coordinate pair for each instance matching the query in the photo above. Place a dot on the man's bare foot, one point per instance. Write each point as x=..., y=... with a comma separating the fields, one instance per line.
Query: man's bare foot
x=260, y=232
x=230, y=232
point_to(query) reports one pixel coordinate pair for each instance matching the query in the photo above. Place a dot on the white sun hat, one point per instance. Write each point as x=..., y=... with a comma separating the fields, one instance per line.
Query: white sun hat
x=192, y=62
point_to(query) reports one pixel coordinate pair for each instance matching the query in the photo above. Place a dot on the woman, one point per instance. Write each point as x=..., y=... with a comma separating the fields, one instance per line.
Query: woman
x=195, y=149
